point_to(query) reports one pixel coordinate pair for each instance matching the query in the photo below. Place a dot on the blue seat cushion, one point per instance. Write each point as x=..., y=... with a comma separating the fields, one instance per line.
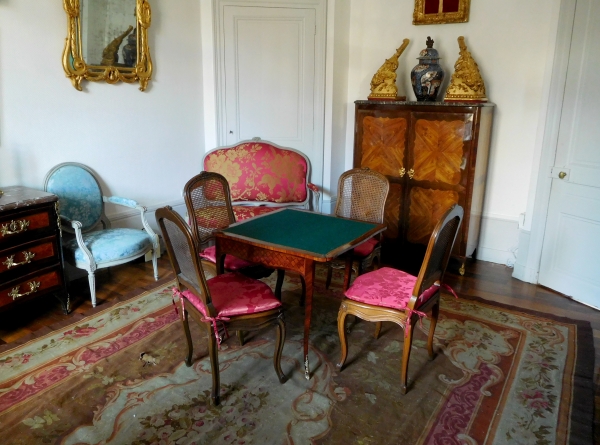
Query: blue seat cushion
x=109, y=245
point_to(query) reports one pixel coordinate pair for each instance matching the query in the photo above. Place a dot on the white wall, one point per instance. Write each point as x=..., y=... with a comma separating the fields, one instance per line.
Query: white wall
x=146, y=145
x=509, y=41
x=143, y=145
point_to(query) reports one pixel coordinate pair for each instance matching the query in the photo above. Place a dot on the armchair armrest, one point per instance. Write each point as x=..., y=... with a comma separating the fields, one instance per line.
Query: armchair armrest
x=316, y=193
x=121, y=201
x=76, y=225
x=134, y=205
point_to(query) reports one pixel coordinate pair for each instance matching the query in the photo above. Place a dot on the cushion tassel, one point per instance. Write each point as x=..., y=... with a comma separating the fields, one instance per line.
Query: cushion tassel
x=206, y=318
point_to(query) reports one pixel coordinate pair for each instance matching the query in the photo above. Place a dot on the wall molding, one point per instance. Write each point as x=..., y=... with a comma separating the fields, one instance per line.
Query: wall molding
x=130, y=218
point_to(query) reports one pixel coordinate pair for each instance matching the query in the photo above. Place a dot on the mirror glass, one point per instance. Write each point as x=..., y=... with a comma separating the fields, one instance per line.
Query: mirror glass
x=108, y=32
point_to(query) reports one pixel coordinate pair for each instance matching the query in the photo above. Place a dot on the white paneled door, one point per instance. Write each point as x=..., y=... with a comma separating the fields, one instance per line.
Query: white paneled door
x=269, y=75
x=571, y=251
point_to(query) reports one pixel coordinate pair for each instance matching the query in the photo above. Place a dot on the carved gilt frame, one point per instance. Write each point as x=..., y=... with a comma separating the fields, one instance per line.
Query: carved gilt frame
x=460, y=16
x=75, y=66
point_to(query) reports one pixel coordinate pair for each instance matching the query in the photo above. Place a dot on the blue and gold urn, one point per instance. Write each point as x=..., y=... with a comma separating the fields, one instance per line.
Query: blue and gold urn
x=428, y=75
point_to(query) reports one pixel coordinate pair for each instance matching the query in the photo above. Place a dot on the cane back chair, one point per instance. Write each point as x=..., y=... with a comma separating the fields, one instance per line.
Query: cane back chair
x=389, y=294
x=208, y=202
x=361, y=195
x=233, y=300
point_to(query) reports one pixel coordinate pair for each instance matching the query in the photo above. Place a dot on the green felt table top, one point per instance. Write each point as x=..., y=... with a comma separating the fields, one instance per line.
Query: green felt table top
x=308, y=231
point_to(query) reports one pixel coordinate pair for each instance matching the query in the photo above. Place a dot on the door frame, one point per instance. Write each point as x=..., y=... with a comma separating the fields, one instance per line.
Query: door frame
x=213, y=80
x=531, y=244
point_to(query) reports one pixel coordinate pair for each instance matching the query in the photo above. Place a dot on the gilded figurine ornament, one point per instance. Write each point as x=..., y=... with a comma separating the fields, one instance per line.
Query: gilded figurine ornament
x=383, y=84
x=466, y=84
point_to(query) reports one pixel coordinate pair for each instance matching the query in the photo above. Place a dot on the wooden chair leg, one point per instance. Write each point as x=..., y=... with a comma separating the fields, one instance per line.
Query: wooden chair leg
x=343, y=312
x=155, y=262
x=240, y=336
x=92, y=283
x=214, y=366
x=188, y=337
x=329, y=275
x=434, y=317
x=280, y=340
x=408, y=333
x=376, y=262
x=377, y=329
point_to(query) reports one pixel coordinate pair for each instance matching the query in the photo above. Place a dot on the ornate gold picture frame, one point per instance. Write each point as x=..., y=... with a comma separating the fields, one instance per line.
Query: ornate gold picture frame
x=436, y=12
x=136, y=63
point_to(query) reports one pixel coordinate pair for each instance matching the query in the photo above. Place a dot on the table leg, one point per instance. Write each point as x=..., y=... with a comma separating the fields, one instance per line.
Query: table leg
x=309, y=276
x=279, y=283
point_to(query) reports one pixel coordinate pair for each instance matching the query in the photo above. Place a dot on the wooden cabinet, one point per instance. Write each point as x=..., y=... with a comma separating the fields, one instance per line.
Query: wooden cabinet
x=31, y=263
x=435, y=155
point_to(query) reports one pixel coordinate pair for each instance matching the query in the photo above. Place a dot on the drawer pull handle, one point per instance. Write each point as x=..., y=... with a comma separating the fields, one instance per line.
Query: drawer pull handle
x=33, y=287
x=411, y=173
x=14, y=227
x=10, y=261
x=402, y=172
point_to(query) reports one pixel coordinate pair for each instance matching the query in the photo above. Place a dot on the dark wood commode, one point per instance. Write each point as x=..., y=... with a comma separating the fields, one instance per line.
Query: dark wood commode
x=435, y=154
x=31, y=263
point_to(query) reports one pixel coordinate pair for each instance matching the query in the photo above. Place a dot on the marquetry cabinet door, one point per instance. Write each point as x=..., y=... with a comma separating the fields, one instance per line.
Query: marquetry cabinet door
x=435, y=155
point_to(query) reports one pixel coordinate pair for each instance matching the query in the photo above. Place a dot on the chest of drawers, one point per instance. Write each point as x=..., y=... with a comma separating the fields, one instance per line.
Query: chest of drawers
x=31, y=264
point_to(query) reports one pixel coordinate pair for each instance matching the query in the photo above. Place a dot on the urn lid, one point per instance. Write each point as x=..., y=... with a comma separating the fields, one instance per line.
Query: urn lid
x=429, y=53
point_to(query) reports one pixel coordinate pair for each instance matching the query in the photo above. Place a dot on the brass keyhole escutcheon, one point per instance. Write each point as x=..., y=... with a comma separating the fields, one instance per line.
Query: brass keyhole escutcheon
x=562, y=175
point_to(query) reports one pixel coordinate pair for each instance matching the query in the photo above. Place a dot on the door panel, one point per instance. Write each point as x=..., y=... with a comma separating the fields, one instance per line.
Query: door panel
x=569, y=261
x=269, y=75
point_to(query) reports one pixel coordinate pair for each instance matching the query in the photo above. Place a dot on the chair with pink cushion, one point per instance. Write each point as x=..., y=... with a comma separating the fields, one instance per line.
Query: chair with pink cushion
x=361, y=195
x=263, y=177
x=208, y=203
x=389, y=294
x=231, y=301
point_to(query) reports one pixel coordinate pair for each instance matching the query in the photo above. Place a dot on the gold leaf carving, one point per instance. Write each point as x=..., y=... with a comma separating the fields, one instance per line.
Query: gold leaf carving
x=466, y=83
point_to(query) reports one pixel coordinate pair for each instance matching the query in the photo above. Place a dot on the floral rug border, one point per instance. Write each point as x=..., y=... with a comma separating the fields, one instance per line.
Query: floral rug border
x=583, y=405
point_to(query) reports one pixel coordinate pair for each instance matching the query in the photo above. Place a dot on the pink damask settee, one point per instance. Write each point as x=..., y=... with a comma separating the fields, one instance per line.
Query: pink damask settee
x=263, y=177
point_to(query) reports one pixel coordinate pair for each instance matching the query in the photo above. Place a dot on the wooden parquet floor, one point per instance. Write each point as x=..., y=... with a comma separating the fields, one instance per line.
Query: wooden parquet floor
x=489, y=281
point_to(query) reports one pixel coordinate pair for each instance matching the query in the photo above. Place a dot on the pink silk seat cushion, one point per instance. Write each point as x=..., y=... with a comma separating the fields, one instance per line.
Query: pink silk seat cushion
x=387, y=287
x=365, y=249
x=245, y=212
x=231, y=262
x=258, y=171
x=235, y=294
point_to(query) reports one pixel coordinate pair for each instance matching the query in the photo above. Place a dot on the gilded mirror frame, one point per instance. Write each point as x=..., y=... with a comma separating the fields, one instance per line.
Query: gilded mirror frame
x=77, y=69
x=461, y=15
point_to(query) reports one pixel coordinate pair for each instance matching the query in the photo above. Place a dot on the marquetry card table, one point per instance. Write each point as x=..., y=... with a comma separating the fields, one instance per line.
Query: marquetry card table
x=291, y=239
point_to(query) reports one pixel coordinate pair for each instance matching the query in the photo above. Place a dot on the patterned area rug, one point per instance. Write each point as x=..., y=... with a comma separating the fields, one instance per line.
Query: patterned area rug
x=118, y=377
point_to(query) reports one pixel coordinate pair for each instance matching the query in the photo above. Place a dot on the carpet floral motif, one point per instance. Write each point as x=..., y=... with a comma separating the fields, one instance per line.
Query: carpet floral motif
x=118, y=377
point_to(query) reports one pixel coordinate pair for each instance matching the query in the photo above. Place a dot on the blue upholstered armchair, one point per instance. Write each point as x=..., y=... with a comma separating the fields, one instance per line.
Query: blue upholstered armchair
x=94, y=244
